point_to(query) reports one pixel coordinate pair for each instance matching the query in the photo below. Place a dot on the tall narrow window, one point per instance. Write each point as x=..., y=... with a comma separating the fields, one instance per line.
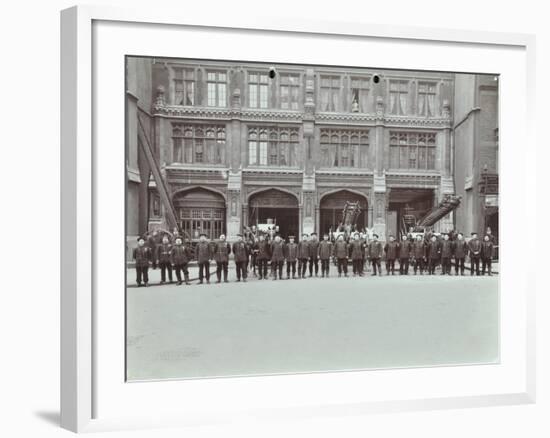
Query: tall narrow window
x=258, y=86
x=359, y=94
x=216, y=88
x=427, y=99
x=289, y=90
x=399, y=91
x=330, y=93
x=184, y=87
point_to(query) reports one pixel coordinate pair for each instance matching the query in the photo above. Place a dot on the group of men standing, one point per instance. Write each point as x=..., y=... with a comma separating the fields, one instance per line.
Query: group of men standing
x=265, y=257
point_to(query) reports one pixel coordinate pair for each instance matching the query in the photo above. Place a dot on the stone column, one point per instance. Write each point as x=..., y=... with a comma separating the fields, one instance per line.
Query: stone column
x=307, y=212
x=236, y=214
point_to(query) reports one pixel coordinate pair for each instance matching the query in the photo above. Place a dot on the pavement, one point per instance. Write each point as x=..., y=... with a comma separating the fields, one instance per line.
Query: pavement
x=311, y=325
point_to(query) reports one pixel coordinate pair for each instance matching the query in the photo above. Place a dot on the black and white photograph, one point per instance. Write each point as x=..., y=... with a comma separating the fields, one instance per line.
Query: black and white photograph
x=285, y=218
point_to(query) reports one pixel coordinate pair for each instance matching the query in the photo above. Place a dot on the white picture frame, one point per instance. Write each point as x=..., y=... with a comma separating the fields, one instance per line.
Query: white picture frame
x=85, y=376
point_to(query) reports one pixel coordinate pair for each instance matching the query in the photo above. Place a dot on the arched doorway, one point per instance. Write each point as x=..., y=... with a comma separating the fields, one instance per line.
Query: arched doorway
x=274, y=208
x=332, y=206
x=200, y=211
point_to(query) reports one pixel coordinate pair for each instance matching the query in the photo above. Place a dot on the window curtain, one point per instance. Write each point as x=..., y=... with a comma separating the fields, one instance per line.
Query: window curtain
x=421, y=104
x=363, y=100
x=403, y=103
x=332, y=156
x=324, y=99
x=393, y=102
x=431, y=105
x=335, y=100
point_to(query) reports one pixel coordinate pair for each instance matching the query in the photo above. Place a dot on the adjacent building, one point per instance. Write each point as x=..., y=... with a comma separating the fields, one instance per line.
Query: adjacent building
x=245, y=143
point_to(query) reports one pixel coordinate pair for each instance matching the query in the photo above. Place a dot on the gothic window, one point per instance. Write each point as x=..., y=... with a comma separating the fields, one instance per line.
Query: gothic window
x=289, y=90
x=272, y=146
x=216, y=88
x=258, y=86
x=399, y=91
x=360, y=87
x=411, y=150
x=198, y=144
x=184, y=86
x=344, y=148
x=427, y=99
x=330, y=93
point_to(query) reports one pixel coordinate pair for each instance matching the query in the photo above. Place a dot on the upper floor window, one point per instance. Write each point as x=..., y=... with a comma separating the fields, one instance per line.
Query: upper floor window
x=426, y=99
x=272, y=146
x=344, y=148
x=359, y=94
x=198, y=144
x=410, y=150
x=399, y=92
x=330, y=93
x=289, y=90
x=258, y=86
x=184, y=87
x=217, y=88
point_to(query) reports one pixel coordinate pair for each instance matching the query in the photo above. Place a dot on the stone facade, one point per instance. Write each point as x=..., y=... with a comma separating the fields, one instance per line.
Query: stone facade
x=229, y=131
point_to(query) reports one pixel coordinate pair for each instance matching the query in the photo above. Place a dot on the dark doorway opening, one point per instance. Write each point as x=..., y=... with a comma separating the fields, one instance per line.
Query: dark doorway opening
x=275, y=208
x=332, y=206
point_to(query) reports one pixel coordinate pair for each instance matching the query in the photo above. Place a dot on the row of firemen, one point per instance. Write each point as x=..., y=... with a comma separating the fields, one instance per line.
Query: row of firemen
x=263, y=254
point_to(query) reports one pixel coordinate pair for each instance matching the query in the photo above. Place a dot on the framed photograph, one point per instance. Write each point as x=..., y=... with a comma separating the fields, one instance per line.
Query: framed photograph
x=281, y=219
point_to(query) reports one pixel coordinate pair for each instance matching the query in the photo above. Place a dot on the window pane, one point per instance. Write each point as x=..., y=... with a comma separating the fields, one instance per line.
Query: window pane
x=252, y=95
x=263, y=96
x=221, y=94
x=263, y=153
x=252, y=152
x=211, y=94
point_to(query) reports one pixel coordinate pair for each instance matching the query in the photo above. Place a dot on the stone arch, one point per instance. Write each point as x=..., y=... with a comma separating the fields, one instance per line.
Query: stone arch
x=331, y=204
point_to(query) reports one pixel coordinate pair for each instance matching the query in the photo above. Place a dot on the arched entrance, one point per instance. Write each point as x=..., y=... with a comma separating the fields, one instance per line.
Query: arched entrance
x=332, y=205
x=274, y=207
x=200, y=211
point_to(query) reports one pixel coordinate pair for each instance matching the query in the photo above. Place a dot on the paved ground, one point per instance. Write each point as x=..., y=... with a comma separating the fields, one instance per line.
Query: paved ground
x=308, y=325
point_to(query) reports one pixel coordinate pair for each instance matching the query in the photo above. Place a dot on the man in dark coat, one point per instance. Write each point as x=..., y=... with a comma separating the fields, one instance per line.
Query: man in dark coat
x=419, y=254
x=391, y=248
x=341, y=255
x=303, y=256
x=357, y=250
x=153, y=241
x=325, y=253
x=203, y=252
x=487, y=255
x=240, y=253
x=474, y=247
x=405, y=247
x=222, y=249
x=180, y=256
x=262, y=248
x=375, y=254
x=433, y=254
x=277, y=257
x=446, y=248
x=313, y=248
x=291, y=255
x=163, y=259
x=460, y=249
x=143, y=256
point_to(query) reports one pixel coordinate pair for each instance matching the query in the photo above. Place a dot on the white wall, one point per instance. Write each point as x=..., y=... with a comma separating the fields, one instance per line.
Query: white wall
x=29, y=284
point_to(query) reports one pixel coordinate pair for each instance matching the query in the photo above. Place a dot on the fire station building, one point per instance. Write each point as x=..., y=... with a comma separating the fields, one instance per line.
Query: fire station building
x=244, y=143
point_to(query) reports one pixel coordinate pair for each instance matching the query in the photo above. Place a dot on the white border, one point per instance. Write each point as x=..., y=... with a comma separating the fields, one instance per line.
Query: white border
x=77, y=275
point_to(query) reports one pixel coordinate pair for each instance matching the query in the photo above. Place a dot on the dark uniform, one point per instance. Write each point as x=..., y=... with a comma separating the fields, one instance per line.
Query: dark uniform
x=203, y=252
x=164, y=262
x=375, y=254
x=221, y=256
x=432, y=252
x=419, y=254
x=262, y=249
x=357, y=254
x=325, y=253
x=153, y=241
x=341, y=254
x=313, y=247
x=474, y=246
x=486, y=257
x=277, y=258
x=391, y=249
x=180, y=256
x=143, y=256
x=446, y=249
x=405, y=247
x=291, y=255
x=460, y=249
x=240, y=253
x=303, y=256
